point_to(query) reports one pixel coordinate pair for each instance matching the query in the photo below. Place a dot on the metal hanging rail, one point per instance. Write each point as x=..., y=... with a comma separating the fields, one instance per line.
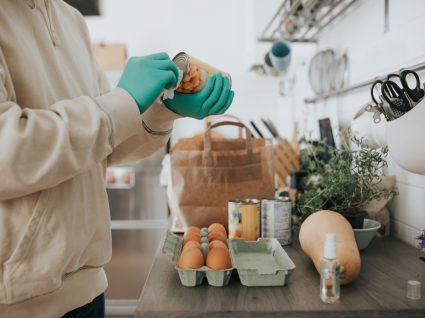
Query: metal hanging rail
x=332, y=8
x=288, y=11
x=417, y=67
x=278, y=12
x=286, y=15
x=320, y=29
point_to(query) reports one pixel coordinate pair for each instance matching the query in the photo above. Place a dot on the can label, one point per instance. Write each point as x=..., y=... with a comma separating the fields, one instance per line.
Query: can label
x=244, y=219
x=195, y=73
x=276, y=220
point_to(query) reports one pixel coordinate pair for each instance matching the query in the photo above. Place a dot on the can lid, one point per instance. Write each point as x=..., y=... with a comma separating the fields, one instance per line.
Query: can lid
x=182, y=60
x=245, y=201
x=278, y=199
x=413, y=289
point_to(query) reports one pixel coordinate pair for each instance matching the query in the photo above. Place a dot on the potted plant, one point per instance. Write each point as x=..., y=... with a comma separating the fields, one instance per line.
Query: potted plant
x=342, y=179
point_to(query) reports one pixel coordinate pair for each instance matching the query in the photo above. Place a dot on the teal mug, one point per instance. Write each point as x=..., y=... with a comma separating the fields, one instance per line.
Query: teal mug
x=268, y=67
x=280, y=55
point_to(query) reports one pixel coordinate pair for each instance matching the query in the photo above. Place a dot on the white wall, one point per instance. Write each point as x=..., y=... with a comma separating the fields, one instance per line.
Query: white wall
x=224, y=33
x=372, y=52
x=220, y=32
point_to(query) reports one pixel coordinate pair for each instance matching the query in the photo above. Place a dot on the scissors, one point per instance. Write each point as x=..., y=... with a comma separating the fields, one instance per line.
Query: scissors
x=380, y=103
x=370, y=108
x=416, y=93
x=402, y=98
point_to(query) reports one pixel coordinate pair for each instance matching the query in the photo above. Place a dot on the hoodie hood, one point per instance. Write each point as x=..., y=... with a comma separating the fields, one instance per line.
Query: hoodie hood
x=45, y=7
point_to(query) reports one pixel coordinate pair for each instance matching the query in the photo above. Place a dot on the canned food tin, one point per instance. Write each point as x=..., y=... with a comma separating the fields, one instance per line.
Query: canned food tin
x=276, y=219
x=195, y=73
x=244, y=219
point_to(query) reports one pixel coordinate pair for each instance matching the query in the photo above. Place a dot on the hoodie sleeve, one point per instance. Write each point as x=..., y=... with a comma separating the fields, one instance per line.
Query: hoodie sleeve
x=154, y=130
x=153, y=133
x=41, y=148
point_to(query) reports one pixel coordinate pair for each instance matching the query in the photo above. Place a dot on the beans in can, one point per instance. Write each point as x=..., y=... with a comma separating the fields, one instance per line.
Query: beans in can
x=244, y=219
x=195, y=73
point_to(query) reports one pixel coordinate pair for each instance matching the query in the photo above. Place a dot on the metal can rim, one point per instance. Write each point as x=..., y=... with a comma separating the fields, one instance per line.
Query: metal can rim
x=277, y=199
x=182, y=60
x=245, y=201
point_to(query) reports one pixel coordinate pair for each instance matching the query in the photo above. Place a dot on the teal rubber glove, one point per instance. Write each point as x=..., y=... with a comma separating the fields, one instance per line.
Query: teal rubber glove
x=213, y=99
x=145, y=77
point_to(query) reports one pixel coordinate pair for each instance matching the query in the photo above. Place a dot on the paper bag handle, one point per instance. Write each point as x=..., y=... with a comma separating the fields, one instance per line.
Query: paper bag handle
x=207, y=134
x=210, y=120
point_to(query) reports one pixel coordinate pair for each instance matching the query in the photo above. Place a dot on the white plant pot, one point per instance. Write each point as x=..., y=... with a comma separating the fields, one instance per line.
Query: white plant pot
x=362, y=127
x=379, y=132
x=404, y=139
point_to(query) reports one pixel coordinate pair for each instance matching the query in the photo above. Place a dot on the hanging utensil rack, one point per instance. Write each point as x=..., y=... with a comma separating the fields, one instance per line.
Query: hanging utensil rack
x=417, y=67
x=303, y=21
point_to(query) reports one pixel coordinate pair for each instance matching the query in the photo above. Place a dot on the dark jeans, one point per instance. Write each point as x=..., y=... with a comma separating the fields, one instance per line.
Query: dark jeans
x=95, y=309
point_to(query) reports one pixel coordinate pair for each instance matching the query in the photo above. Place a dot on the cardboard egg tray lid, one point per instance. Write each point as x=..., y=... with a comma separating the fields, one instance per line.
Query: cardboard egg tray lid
x=261, y=263
x=172, y=247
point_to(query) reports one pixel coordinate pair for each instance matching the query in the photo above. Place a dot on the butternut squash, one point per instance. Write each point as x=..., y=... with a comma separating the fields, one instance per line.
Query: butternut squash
x=312, y=237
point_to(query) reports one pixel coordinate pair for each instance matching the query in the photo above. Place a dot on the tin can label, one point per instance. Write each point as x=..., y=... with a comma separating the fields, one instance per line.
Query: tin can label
x=244, y=219
x=276, y=220
x=195, y=73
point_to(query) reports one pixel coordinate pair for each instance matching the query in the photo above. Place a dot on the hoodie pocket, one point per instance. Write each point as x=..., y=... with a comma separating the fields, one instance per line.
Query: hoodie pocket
x=25, y=244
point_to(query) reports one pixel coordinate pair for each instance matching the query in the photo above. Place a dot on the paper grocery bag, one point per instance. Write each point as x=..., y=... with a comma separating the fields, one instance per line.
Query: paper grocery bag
x=207, y=173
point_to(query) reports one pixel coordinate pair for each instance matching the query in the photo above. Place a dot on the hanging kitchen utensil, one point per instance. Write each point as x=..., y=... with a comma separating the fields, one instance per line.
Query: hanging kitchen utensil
x=375, y=93
x=416, y=93
x=314, y=73
x=273, y=127
x=253, y=125
x=395, y=96
x=341, y=75
x=370, y=108
x=269, y=128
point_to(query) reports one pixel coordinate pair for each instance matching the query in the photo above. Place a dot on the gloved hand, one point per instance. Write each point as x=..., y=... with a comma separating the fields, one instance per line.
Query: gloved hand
x=145, y=77
x=213, y=99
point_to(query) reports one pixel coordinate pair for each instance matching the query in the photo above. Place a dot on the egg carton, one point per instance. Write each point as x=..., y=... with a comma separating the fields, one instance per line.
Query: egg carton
x=261, y=263
x=172, y=248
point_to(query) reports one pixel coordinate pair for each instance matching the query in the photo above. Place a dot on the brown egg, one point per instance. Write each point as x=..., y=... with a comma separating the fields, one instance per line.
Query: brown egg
x=217, y=236
x=217, y=227
x=191, y=237
x=193, y=229
x=219, y=258
x=216, y=243
x=191, y=258
x=191, y=244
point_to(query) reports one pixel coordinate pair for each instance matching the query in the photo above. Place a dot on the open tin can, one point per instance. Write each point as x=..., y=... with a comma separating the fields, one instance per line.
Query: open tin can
x=244, y=219
x=276, y=219
x=195, y=73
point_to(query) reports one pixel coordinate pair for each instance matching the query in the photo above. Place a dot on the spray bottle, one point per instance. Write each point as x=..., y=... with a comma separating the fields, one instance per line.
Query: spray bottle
x=329, y=271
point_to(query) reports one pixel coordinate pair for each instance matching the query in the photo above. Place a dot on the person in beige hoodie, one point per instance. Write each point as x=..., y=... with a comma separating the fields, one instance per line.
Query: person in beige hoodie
x=61, y=125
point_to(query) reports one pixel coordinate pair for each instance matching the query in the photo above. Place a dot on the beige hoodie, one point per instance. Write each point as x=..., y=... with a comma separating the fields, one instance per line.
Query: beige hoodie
x=60, y=126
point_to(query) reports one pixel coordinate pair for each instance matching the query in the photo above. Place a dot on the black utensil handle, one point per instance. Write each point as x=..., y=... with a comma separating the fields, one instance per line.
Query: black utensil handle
x=415, y=93
x=271, y=124
x=256, y=129
x=268, y=127
x=375, y=100
x=391, y=91
x=398, y=101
